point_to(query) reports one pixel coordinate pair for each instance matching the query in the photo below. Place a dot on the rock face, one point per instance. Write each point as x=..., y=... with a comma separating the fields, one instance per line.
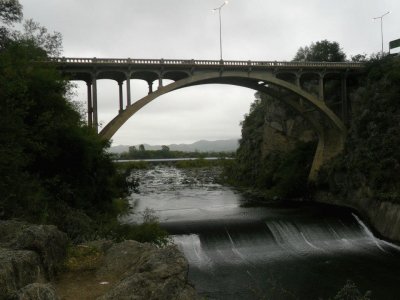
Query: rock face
x=28, y=254
x=146, y=272
x=38, y=291
x=282, y=127
x=48, y=242
x=18, y=269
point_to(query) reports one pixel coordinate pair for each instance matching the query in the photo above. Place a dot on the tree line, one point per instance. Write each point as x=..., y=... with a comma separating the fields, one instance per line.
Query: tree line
x=54, y=168
x=165, y=153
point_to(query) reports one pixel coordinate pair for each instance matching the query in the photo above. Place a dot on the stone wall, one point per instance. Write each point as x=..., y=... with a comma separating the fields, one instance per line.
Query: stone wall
x=383, y=217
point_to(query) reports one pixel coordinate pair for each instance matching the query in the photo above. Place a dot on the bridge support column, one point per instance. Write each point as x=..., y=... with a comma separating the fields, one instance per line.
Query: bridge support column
x=150, y=83
x=121, y=98
x=128, y=89
x=298, y=84
x=160, y=83
x=94, y=98
x=321, y=87
x=330, y=144
x=344, y=99
x=89, y=103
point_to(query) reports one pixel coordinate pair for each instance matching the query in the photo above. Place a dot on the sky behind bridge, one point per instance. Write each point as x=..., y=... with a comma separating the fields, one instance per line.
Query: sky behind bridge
x=186, y=29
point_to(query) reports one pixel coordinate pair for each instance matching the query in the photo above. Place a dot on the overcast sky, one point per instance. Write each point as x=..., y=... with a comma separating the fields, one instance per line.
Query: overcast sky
x=186, y=29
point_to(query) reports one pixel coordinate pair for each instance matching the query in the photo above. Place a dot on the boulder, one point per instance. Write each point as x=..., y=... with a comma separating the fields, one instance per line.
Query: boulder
x=45, y=240
x=147, y=272
x=18, y=268
x=9, y=230
x=29, y=254
x=38, y=291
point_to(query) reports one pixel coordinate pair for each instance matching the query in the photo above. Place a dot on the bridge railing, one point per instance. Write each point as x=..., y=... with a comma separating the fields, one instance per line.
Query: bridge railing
x=192, y=62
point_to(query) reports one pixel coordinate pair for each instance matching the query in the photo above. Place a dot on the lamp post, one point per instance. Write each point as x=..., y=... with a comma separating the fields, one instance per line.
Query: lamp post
x=381, y=18
x=220, y=24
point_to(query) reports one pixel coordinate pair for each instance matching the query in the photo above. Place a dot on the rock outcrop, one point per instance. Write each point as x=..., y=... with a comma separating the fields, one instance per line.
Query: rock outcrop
x=29, y=254
x=38, y=291
x=146, y=272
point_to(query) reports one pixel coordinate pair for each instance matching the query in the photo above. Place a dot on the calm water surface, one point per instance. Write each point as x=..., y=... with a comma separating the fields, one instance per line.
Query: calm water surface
x=302, y=251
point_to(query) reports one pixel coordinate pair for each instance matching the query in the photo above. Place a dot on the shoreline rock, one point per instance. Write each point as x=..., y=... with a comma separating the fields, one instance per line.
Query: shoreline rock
x=29, y=254
x=31, y=257
x=146, y=272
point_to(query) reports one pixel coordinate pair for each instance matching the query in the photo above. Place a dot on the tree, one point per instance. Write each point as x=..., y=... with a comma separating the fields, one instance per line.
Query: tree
x=141, y=148
x=321, y=51
x=360, y=58
x=164, y=148
x=10, y=11
x=49, y=159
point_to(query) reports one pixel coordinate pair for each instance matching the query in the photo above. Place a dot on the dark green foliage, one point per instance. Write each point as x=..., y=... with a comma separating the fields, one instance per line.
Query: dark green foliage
x=149, y=231
x=48, y=157
x=372, y=152
x=53, y=168
x=321, y=51
x=248, y=155
x=200, y=163
x=166, y=153
x=286, y=174
x=350, y=292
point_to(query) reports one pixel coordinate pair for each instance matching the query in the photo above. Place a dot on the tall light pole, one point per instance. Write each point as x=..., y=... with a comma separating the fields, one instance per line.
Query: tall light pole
x=220, y=24
x=381, y=18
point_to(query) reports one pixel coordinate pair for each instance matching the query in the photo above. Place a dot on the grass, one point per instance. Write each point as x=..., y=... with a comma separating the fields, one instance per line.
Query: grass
x=83, y=258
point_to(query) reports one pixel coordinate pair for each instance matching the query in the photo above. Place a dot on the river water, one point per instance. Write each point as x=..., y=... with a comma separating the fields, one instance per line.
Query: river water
x=241, y=251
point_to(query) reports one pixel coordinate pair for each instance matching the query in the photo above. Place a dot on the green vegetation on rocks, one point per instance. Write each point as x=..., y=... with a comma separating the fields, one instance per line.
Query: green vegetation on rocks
x=371, y=158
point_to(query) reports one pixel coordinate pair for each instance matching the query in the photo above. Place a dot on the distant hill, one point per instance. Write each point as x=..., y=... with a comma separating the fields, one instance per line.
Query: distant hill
x=200, y=146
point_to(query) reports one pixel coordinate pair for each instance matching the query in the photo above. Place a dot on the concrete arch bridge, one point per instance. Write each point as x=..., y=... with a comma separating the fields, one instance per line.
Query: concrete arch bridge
x=286, y=81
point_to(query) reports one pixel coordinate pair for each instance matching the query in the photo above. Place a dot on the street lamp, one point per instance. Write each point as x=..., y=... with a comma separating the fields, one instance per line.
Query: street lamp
x=220, y=24
x=381, y=18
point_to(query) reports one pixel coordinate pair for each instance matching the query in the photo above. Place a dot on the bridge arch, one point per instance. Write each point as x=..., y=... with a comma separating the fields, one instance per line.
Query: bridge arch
x=331, y=137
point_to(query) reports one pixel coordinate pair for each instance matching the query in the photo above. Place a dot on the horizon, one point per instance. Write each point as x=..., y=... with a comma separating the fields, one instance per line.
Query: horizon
x=187, y=143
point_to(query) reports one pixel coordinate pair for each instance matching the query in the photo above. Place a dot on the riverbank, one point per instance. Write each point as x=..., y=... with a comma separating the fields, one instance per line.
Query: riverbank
x=37, y=262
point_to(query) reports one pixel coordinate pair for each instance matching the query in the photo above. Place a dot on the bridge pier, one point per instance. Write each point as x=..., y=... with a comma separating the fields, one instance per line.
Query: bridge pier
x=160, y=82
x=150, y=83
x=321, y=86
x=344, y=98
x=330, y=143
x=128, y=89
x=89, y=103
x=298, y=84
x=94, y=103
x=121, y=98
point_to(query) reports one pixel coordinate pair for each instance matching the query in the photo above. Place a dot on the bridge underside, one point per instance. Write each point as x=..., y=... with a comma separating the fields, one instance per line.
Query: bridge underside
x=330, y=129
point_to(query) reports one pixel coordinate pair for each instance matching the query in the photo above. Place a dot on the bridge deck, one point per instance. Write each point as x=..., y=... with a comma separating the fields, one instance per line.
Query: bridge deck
x=205, y=63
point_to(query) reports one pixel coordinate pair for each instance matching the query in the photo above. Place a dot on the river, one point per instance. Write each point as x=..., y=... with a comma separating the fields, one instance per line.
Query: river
x=241, y=251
